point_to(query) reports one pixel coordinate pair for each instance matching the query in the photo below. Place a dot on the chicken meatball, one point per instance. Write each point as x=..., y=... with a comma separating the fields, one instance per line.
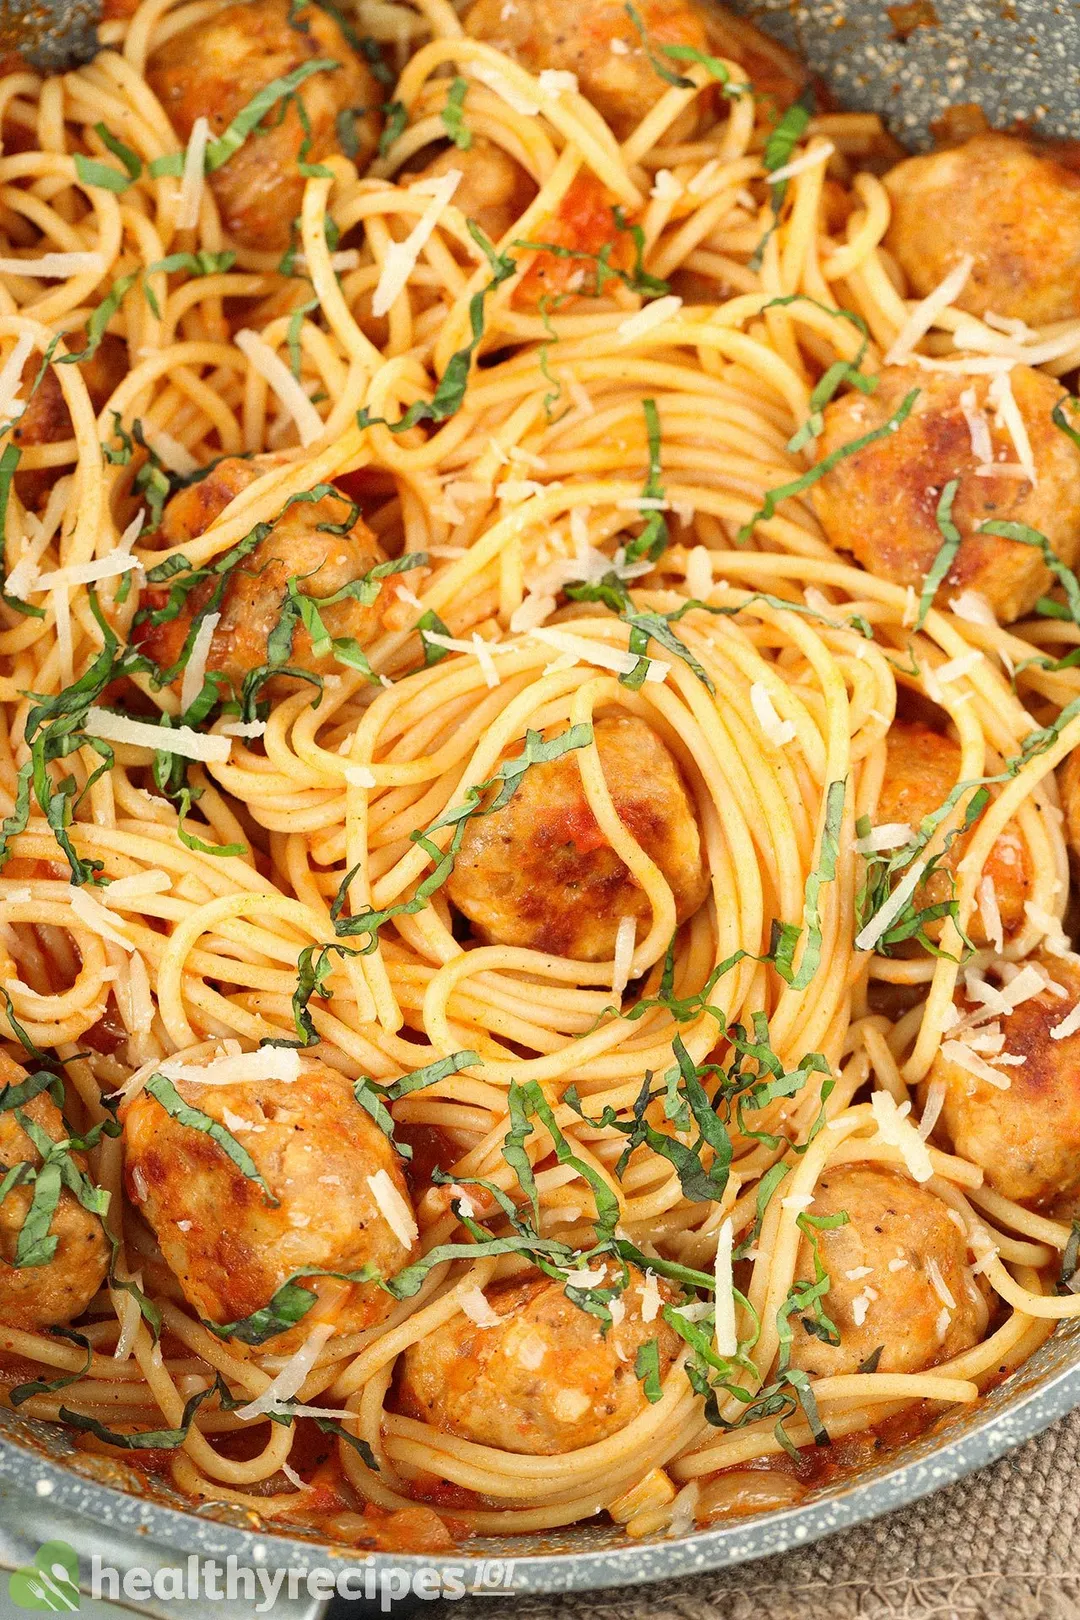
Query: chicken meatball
x=217, y=66
x=1025, y=1133
x=494, y=190
x=600, y=43
x=881, y=502
x=1014, y=205
x=43, y=1289
x=540, y=874
x=334, y=1195
x=899, y=1279
x=1069, y=787
x=298, y=546
x=544, y=1380
x=922, y=768
x=47, y=420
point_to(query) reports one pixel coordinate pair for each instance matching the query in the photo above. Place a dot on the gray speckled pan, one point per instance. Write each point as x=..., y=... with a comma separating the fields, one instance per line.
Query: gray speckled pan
x=1021, y=60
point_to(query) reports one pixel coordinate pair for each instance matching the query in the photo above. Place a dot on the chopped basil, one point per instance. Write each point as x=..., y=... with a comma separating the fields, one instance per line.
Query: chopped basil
x=1060, y=420
x=785, y=935
x=452, y=114
x=647, y=1370
x=148, y=1439
x=373, y=1097
x=819, y=470
x=1024, y=535
x=659, y=68
x=49, y=1386
x=652, y=542
x=397, y=117
x=232, y=139
x=164, y=1092
x=99, y=320
x=946, y=555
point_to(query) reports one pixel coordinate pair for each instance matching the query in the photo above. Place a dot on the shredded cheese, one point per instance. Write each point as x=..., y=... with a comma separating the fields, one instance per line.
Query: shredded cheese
x=982, y=445
x=1068, y=1025
x=923, y=316
x=99, y=919
x=11, y=375
x=896, y=1129
x=881, y=921
x=238, y=1068
x=401, y=257
x=727, y=1341
x=287, y=1383
x=973, y=608
x=515, y=98
x=806, y=160
x=962, y=1054
x=55, y=266
x=189, y=197
x=475, y=1306
x=939, y=1285
x=955, y=668
x=647, y=319
x=777, y=731
x=890, y=835
x=552, y=82
x=598, y=652
x=195, y=668
x=87, y=573
x=1001, y=396
x=935, y=1098
x=393, y=1209
x=138, y=886
x=650, y=1298
x=280, y=380
x=360, y=776
x=164, y=739
x=990, y=912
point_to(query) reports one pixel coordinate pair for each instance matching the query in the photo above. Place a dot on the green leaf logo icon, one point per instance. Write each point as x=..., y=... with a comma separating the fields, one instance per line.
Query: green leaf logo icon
x=50, y=1583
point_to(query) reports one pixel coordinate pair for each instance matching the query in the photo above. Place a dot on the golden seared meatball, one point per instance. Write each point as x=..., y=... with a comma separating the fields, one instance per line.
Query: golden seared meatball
x=539, y=872
x=600, y=44
x=46, y=419
x=213, y=70
x=1069, y=787
x=58, y=1287
x=894, y=1267
x=494, y=190
x=544, y=1380
x=229, y=1244
x=922, y=768
x=1014, y=205
x=1026, y=1137
x=881, y=503
x=256, y=589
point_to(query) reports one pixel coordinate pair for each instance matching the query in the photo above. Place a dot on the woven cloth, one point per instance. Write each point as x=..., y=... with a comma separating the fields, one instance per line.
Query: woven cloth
x=1001, y=1545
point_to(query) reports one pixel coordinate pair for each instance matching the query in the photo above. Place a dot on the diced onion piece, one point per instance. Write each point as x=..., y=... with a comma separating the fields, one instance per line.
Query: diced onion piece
x=393, y=1208
x=401, y=257
x=923, y=316
x=281, y=381
x=164, y=739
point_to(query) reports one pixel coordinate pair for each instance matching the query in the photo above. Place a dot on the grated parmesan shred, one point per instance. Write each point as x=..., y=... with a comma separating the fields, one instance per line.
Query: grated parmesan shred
x=727, y=1341
x=164, y=739
x=474, y=1304
x=280, y=380
x=189, y=197
x=923, y=316
x=289, y=1380
x=778, y=732
x=195, y=668
x=393, y=1208
x=896, y=1129
x=647, y=319
x=625, y=940
x=401, y=257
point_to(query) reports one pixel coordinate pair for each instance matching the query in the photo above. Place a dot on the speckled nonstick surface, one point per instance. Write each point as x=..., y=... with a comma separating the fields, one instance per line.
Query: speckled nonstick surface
x=1020, y=59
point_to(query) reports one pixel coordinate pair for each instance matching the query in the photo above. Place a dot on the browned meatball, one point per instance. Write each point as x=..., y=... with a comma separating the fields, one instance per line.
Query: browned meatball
x=1069, y=786
x=921, y=770
x=494, y=190
x=1026, y=1137
x=46, y=419
x=256, y=589
x=880, y=503
x=544, y=1380
x=213, y=70
x=59, y=1289
x=1014, y=205
x=540, y=874
x=600, y=43
x=318, y=1151
x=893, y=1268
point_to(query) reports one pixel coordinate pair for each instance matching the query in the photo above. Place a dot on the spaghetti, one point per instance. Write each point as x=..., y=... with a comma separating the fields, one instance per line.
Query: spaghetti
x=470, y=1020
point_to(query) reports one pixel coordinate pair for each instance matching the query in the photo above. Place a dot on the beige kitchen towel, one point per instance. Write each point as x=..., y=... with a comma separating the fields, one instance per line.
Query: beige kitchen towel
x=1001, y=1545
